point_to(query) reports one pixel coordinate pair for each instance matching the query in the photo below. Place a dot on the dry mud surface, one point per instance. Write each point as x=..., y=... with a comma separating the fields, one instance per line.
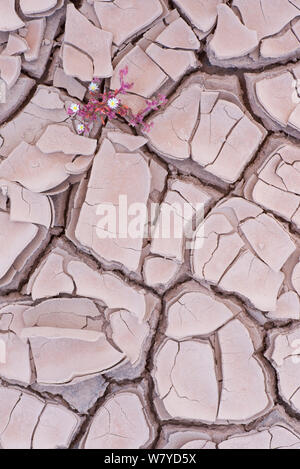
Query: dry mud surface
x=145, y=343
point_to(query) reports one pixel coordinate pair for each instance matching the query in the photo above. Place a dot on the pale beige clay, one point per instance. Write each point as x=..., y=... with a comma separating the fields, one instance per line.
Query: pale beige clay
x=150, y=277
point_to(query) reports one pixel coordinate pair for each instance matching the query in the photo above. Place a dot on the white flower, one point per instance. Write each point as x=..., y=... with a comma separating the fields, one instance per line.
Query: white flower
x=113, y=103
x=74, y=108
x=93, y=86
x=296, y=91
x=80, y=128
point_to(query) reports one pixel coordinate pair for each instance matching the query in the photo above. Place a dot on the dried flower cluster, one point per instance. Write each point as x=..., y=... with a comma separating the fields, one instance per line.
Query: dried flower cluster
x=108, y=105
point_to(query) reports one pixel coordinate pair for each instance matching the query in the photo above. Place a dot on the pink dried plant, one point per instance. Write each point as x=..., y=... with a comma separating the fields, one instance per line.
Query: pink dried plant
x=108, y=105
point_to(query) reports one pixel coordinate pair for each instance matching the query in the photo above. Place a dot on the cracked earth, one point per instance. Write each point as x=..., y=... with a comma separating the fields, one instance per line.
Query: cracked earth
x=143, y=343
